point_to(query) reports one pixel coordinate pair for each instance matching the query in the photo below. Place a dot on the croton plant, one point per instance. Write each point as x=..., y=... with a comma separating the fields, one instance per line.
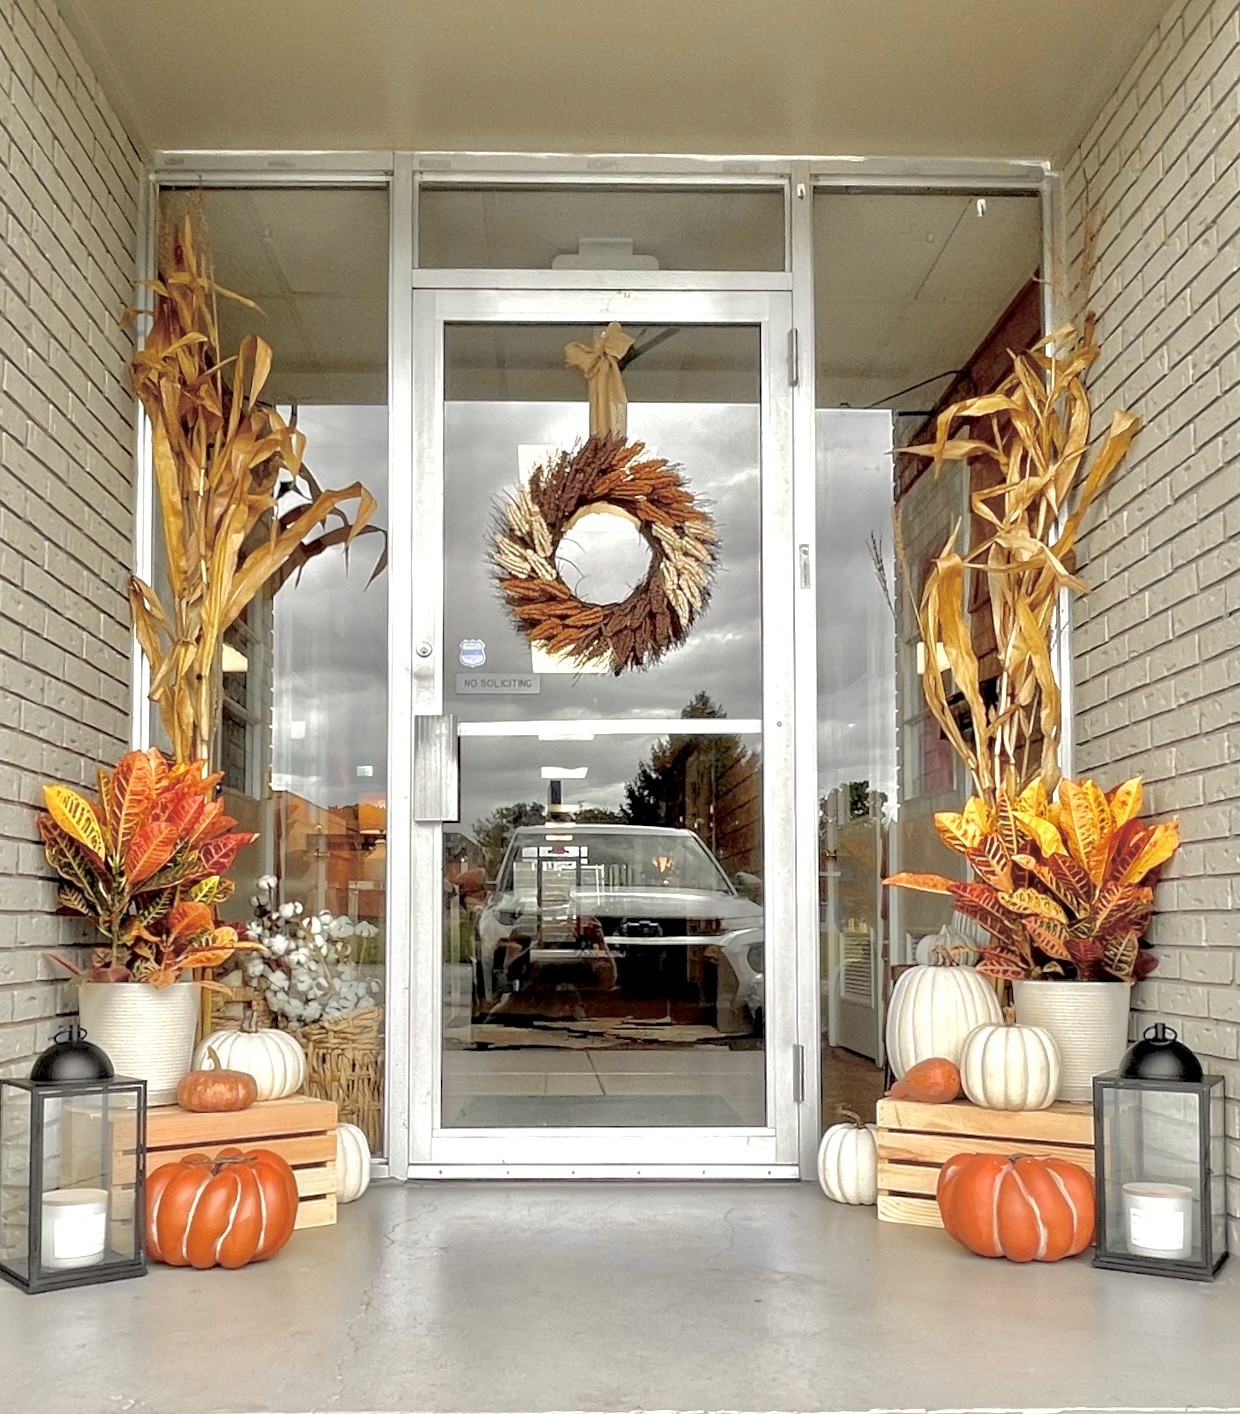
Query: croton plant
x=145, y=862
x=1063, y=886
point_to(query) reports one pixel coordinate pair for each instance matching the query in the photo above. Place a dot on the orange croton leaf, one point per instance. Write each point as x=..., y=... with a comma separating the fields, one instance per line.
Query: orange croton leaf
x=1031, y=902
x=1005, y=824
x=161, y=977
x=150, y=849
x=991, y=863
x=1085, y=817
x=1072, y=881
x=981, y=903
x=1039, y=828
x=107, y=974
x=1050, y=937
x=925, y=883
x=1163, y=841
x=76, y=816
x=188, y=919
x=216, y=856
x=1125, y=801
x=953, y=831
x=181, y=809
x=1003, y=964
x=133, y=793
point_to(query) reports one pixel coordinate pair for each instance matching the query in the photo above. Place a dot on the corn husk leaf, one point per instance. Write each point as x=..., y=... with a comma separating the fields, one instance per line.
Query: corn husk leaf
x=1041, y=478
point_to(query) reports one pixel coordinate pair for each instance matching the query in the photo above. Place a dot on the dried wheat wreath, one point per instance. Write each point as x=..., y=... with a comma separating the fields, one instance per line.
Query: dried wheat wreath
x=660, y=611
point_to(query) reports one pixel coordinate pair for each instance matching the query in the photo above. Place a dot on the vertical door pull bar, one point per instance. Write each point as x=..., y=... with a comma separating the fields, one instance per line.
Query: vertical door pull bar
x=436, y=770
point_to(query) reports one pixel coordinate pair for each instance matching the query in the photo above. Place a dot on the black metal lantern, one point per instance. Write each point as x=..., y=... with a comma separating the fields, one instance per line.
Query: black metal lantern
x=72, y=1174
x=1161, y=1167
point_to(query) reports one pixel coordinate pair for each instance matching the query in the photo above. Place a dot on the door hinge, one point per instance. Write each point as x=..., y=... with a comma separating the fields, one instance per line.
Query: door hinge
x=794, y=358
x=798, y=1074
x=803, y=557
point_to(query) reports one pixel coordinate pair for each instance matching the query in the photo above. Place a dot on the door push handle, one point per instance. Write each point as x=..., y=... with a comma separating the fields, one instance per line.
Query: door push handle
x=436, y=770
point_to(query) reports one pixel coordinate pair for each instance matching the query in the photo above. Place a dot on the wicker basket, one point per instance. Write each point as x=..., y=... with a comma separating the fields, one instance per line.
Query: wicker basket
x=344, y=1059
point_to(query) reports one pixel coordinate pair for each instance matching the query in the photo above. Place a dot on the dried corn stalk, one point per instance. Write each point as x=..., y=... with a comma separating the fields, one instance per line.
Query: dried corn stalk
x=1039, y=421
x=222, y=461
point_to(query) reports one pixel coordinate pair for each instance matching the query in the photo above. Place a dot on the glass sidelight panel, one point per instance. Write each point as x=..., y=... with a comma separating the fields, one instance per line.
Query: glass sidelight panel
x=304, y=731
x=919, y=297
x=603, y=931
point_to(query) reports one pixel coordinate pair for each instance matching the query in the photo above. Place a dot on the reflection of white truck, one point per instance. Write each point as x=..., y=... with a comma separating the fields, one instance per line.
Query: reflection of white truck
x=646, y=886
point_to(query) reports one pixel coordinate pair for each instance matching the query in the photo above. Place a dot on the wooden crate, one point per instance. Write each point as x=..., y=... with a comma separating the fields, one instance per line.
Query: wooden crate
x=915, y=1140
x=299, y=1129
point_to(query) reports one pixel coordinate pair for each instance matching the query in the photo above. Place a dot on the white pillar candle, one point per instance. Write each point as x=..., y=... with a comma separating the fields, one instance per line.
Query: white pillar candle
x=75, y=1227
x=1158, y=1219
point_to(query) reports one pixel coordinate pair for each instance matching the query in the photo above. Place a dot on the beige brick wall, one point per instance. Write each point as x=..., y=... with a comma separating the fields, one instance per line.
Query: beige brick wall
x=1157, y=644
x=68, y=204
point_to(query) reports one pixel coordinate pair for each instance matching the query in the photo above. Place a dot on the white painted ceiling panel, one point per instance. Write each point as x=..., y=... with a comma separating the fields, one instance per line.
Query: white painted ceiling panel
x=1015, y=78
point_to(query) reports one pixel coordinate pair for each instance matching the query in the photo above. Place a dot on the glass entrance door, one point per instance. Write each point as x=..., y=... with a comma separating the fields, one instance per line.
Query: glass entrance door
x=602, y=912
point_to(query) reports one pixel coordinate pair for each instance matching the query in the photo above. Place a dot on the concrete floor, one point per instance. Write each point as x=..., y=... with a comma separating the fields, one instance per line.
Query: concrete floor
x=490, y=1297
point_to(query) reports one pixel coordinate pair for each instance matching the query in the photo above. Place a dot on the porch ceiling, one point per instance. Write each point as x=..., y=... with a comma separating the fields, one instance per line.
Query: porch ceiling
x=1003, y=78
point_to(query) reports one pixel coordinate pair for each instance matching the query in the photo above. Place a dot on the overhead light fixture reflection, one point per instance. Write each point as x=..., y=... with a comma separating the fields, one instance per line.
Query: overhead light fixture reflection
x=233, y=660
x=564, y=773
x=565, y=736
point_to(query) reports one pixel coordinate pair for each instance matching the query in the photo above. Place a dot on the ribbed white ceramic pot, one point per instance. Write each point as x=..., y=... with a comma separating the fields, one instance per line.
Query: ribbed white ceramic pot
x=1088, y=1021
x=146, y=1032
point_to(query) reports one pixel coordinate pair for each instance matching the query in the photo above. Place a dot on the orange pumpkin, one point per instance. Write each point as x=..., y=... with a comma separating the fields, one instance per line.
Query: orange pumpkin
x=225, y=1211
x=934, y=1082
x=1027, y=1210
x=214, y=1090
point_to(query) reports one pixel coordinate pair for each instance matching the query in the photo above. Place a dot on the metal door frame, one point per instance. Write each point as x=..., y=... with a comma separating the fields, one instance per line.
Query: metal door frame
x=403, y=172
x=590, y=1152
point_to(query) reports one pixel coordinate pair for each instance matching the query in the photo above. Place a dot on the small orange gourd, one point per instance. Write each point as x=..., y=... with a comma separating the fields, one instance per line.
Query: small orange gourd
x=933, y=1082
x=214, y=1090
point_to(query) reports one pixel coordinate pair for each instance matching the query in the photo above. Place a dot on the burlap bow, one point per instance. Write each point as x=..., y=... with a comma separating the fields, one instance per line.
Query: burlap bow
x=600, y=362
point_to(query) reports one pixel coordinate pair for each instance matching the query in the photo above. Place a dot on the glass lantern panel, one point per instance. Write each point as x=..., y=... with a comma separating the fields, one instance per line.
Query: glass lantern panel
x=89, y=1167
x=1218, y=1174
x=15, y=1122
x=1152, y=1143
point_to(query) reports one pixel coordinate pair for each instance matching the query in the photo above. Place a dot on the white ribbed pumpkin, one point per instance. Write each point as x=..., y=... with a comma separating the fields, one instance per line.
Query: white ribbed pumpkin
x=932, y=1010
x=352, y=1163
x=274, y=1058
x=1010, y=1067
x=848, y=1163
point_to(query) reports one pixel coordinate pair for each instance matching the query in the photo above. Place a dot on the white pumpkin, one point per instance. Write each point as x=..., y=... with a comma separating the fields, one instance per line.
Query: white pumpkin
x=1010, y=1067
x=352, y=1163
x=848, y=1163
x=946, y=947
x=932, y=1010
x=274, y=1058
